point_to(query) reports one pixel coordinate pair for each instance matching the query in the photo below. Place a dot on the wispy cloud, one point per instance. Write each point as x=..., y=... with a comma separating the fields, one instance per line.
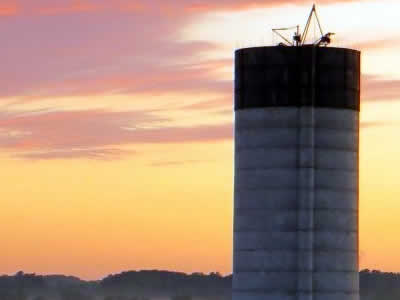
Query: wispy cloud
x=105, y=53
x=218, y=103
x=373, y=124
x=104, y=154
x=175, y=163
x=95, y=133
x=377, y=88
x=74, y=6
x=379, y=44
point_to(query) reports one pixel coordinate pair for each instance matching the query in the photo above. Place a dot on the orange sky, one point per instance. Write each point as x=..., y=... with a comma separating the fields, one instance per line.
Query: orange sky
x=116, y=130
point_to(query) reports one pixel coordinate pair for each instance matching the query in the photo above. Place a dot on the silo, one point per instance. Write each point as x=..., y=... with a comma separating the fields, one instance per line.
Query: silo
x=296, y=173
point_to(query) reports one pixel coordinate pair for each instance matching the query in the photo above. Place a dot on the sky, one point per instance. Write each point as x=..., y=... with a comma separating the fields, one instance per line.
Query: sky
x=116, y=119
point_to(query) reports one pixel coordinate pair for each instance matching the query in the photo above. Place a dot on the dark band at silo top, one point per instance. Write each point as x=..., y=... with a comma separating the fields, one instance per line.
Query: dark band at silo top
x=297, y=76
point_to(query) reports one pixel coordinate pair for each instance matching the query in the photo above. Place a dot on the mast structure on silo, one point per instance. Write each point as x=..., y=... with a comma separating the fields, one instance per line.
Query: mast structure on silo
x=300, y=39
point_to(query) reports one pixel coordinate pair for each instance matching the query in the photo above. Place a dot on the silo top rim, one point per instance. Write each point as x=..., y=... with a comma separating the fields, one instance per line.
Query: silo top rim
x=300, y=47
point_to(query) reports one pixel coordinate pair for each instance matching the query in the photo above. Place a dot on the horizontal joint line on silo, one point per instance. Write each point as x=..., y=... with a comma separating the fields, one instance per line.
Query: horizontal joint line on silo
x=294, y=270
x=293, y=231
x=255, y=86
x=251, y=128
x=254, y=90
x=260, y=65
x=295, y=250
x=295, y=148
x=352, y=108
x=266, y=291
x=296, y=291
x=240, y=210
x=327, y=291
x=316, y=228
x=296, y=168
x=296, y=188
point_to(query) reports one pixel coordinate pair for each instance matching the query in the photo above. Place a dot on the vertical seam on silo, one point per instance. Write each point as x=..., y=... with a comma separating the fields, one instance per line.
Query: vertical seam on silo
x=305, y=194
x=344, y=86
x=297, y=70
x=312, y=196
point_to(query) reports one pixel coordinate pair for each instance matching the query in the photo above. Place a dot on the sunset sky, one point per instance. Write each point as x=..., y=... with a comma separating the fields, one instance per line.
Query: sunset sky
x=116, y=129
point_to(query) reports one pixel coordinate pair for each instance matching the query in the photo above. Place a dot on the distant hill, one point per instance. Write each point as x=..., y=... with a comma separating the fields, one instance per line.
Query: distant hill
x=154, y=284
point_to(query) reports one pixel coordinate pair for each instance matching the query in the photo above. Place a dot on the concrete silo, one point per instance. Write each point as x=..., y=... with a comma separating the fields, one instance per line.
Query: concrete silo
x=296, y=173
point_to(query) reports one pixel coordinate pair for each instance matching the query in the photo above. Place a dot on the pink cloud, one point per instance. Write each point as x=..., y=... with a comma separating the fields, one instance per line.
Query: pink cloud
x=153, y=7
x=72, y=129
x=196, y=6
x=80, y=55
x=105, y=154
x=75, y=6
x=378, y=88
x=94, y=133
x=175, y=163
x=375, y=44
x=154, y=80
x=372, y=124
x=217, y=103
x=8, y=8
x=44, y=7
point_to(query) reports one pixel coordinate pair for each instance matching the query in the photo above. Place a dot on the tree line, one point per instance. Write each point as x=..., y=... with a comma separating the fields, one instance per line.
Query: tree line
x=148, y=285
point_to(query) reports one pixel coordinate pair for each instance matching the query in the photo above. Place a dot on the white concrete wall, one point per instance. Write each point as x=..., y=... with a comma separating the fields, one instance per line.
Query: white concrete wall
x=296, y=204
